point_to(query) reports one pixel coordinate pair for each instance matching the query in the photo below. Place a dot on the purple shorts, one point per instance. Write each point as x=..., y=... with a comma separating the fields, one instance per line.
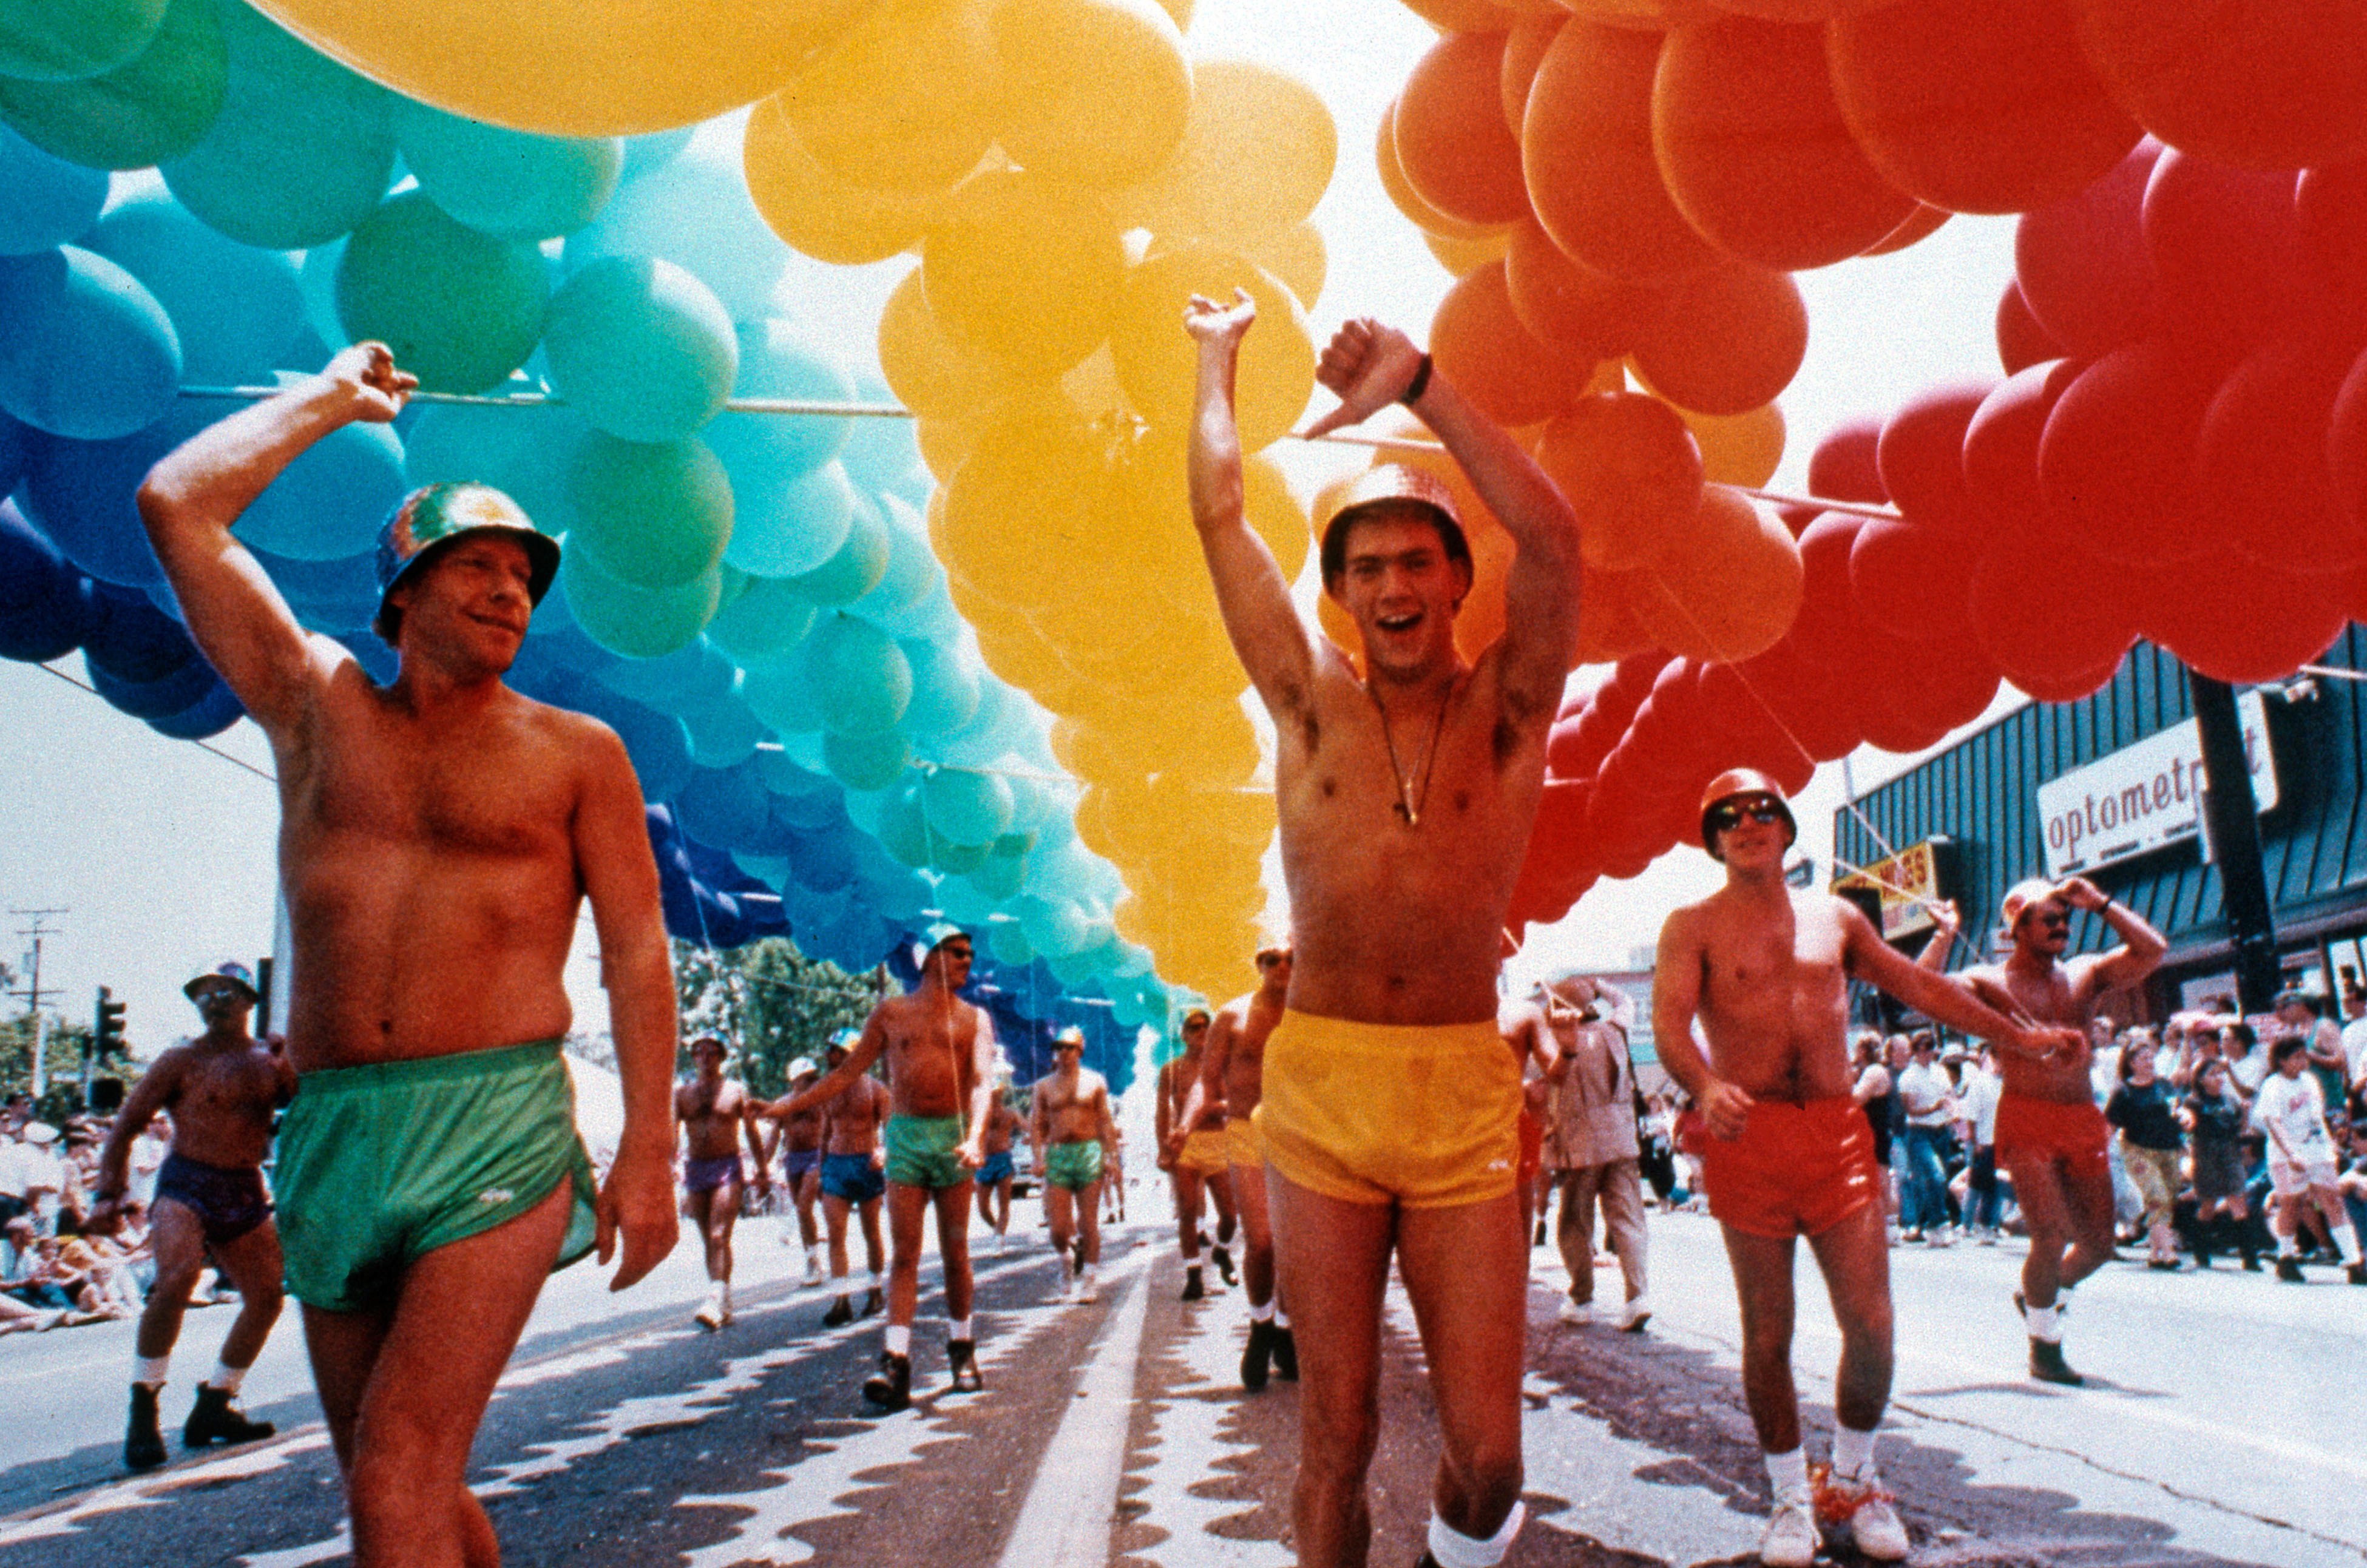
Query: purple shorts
x=707, y=1175
x=799, y=1163
x=228, y=1202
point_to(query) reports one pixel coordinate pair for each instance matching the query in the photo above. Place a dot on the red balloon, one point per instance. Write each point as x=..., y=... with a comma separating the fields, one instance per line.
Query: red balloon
x=1805, y=701
x=2047, y=614
x=2263, y=83
x=1525, y=51
x=2330, y=206
x=2227, y=256
x=2022, y=341
x=1568, y=303
x=2116, y=462
x=1922, y=223
x=1920, y=457
x=2002, y=443
x=2260, y=466
x=2346, y=444
x=1844, y=467
x=1908, y=580
x=2082, y=263
x=2255, y=624
x=1948, y=683
x=1452, y=144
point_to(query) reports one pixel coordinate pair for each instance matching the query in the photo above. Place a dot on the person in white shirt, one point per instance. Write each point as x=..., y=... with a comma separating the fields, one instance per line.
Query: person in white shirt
x=2247, y=1064
x=1977, y=1104
x=2354, y=1041
x=44, y=1175
x=2292, y=1111
x=1929, y=1097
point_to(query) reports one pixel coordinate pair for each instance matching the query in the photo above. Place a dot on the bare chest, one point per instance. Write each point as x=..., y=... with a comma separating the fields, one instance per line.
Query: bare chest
x=240, y=1089
x=496, y=787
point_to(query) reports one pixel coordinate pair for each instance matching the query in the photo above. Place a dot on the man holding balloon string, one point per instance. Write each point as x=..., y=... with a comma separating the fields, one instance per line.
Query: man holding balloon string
x=438, y=837
x=1406, y=799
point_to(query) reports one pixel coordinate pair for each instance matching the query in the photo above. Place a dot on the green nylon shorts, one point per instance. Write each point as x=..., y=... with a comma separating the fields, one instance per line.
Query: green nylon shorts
x=921, y=1152
x=1073, y=1165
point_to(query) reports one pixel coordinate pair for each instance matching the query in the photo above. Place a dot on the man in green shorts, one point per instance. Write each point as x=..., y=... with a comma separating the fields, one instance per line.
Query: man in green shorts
x=437, y=838
x=940, y=1054
x=1072, y=1131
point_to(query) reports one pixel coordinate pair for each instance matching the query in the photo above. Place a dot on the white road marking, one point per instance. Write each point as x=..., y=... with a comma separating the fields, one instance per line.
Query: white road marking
x=1065, y=1523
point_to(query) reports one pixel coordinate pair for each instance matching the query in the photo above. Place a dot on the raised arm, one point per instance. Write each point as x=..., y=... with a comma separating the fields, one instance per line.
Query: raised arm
x=1270, y=640
x=1676, y=999
x=1370, y=367
x=620, y=880
x=1935, y=956
x=2141, y=948
x=1874, y=961
x=192, y=495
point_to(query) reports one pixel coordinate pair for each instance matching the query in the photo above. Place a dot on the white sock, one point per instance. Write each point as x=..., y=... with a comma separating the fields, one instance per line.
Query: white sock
x=875, y=1279
x=1787, y=1472
x=226, y=1377
x=1454, y=1549
x=957, y=1328
x=151, y=1369
x=723, y=1294
x=2045, y=1322
x=1090, y=1270
x=899, y=1339
x=1280, y=1318
x=2289, y=1245
x=1853, y=1452
x=2346, y=1245
x=1261, y=1311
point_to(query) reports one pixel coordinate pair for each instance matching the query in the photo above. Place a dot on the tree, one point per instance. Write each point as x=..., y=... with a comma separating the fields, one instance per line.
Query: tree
x=770, y=1003
x=67, y=1045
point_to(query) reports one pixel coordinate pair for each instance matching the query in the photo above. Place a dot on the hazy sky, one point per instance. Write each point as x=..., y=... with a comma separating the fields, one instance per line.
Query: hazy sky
x=163, y=853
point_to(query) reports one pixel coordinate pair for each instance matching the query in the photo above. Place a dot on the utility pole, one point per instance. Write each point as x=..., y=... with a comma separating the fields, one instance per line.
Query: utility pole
x=34, y=995
x=2231, y=813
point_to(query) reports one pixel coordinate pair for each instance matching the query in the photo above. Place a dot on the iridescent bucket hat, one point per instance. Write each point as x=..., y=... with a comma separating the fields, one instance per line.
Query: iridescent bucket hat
x=436, y=514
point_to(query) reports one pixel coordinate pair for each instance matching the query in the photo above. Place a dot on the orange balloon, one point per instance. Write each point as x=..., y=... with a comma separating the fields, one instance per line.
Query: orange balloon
x=1741, y=449
x=1456, y=153
x=1649, y=15
x=2259, y=84
x=1480, y=345
x=1586, y=149
x=1569, y=304
x=1464, y=16
x=1463, y=256
x=1977, y=106
x=1726, y=341
x=1754, y=149
x=1525, y=51
x=1732, y=590
x=1425, y=217
x=1632, y=473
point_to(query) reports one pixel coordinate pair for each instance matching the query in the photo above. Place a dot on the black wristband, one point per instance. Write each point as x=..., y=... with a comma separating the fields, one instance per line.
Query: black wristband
x=1420, y=383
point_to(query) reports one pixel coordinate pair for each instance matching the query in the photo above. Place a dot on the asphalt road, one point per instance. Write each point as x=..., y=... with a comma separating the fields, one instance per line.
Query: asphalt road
x=2219, y=1425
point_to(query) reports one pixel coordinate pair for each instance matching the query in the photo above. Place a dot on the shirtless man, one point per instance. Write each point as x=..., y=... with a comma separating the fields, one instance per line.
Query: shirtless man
x=1391, y=1108
x=220, y=1089
x=1193, y=1155
x=2050, y=1137
x=852, y=1182
x=940, y=1053
x=1765, y=970
x=437, y=838
x=1592, y=1114
x=715, y=1113
x=799, y=1140
x=996, y=1173
x=1072, y=1131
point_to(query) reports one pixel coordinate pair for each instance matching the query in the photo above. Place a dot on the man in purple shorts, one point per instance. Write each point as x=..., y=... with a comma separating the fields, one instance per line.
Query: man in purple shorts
x=715, y=1112
x=800, y=1144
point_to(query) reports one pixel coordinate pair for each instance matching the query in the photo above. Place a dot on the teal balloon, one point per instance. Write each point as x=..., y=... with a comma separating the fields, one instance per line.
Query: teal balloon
x=85, y=352
x=883, y=453
x=156, y=104
x=317, y=276
x=651, y=513
x=631, y=620
x=44, y=200
x=865, y=761
x=776, y=363
x=957, y=859
x=1053, y=928
x=336, y=596
x=765, y=620
x=527, y=452
x=860, y=677
x=1004, y=872
x=723, y=808
x=902, y=828
x=641, y=348
x=513, y=184
x=647, y=154
x=1009, y=945
x=781, y=696
x=332, y=500
x=724, y=733
x=1076, y=971
x=946, y=692
x=460, y=310
x=237, y=309
x=856, y=567
x=966, y=806
x=65, y=41
x=696, y=212
x=303, y=151
x=688, y=677
x=792, y=526
x=912, y=573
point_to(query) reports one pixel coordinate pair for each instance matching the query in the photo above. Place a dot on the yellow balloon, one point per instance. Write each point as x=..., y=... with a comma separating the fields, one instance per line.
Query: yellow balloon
x=1096, y=91
x=1295, y=255
x=928, y=371
x=904, y=101
x=1024, y=268
x=945, y=444
x=816, y=211
x=1739, y=449
x=1156, y=359
x=1256, y=157
x=1035, y=488
x=575, y=67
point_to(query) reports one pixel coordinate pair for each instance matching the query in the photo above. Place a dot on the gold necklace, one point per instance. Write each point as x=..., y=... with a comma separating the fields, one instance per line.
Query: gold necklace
x=1408, y=806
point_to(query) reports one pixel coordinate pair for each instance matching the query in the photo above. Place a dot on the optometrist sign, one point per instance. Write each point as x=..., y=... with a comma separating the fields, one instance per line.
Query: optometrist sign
x=1907, y=882
x=2144, y=796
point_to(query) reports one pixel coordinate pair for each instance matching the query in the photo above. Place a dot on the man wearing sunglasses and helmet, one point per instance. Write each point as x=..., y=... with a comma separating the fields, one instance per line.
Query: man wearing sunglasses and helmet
x=1764, y=969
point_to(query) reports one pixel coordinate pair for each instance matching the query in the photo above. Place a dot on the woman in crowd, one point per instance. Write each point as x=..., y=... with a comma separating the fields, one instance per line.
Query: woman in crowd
x=2150, y=1144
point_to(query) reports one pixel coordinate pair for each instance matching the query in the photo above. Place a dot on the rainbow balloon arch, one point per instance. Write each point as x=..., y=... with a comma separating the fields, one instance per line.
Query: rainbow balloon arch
x=968, y=661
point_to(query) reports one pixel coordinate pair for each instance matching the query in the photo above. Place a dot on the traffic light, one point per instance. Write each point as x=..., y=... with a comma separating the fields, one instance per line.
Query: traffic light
x=107, y=1031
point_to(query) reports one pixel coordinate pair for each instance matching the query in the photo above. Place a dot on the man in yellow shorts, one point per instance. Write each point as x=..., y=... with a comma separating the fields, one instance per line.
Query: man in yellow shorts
x=1406, y=793
x=1193, y=1155
x=1234, y=1074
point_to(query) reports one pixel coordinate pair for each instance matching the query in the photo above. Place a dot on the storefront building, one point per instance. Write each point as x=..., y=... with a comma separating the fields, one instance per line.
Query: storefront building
x=2109, y=787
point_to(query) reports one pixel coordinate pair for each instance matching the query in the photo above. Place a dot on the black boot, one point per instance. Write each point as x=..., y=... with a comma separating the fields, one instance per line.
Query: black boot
x=2289, y=1271
x=1286, y=1355
x=891, y=1387
x=2046, y=1364
x=143, y=1440
x=1257, y=1356
x=961, y=1364
x=1192, y=1289
x=841, y=1313
x=214, y=1419
x=1224, y=1261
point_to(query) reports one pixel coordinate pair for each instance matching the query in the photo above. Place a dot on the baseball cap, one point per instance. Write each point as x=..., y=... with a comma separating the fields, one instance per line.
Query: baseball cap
x=803, y=1067
x=437, y=513
x=230, y=969
x=845, y=1039
x=1071, y=1035
x=2020, y=898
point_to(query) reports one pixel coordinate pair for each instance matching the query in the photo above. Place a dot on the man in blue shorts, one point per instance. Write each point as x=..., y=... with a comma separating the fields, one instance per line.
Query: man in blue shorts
x=995, y=1176
x=851, y=1178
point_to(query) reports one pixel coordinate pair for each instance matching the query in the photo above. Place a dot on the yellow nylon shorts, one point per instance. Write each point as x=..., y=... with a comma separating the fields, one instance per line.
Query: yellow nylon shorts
x=1242, y=1145
x=1203, y=1153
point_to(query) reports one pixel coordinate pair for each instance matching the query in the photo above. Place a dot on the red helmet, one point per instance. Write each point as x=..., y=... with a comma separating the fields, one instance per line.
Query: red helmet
x=1742, y=783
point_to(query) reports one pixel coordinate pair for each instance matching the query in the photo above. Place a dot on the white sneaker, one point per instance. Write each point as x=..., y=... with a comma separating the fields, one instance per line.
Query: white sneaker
x=1575, y=1311
x=709, y=1316
x=1939, y=1236
x=1791, y=1539
x=1636, y=1314
x=1864, y=1503
x=1086, y=1291
x=1986, y=1237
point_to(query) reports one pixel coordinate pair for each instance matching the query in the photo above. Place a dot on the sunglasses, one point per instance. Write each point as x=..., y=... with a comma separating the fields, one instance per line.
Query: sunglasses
x=1731, y=813
x=1268, y=960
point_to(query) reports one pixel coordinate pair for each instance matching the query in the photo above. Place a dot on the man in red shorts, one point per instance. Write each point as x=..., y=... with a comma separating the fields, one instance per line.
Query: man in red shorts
x=1766, y=971
x=2050, y=1135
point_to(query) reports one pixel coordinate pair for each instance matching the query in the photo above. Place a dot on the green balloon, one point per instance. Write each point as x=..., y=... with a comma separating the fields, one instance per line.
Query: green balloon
x=65, y=41
x=1004, y=872
x=860, y=679
x=903, y=832
x=654, y=514
x=779, y=695
x=865, y=761
x=460, y=310
x=632, y=621
x=859, y=565
x=155, y=106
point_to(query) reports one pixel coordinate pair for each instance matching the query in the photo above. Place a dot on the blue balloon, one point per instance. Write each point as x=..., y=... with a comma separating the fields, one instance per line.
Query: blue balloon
x=726, y=808
x=45, y=604
x=16, y=444
x=641, y=348
x=331, y=503
x=657, y=742
x=81, y=494
x=208, y=717
x=132, y=640
x=161, y=698
x=317, y=276
x=696, y=212
x=511, y=183
x=303, y=151
x=691, y=674
x=724, y=733
x=235, y=309
x=327, y=595
x=85, y=352
x=44, y=201
x=822, y=861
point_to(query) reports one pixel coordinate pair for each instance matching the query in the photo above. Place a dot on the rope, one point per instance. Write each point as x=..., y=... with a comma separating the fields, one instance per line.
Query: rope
x=207, y=745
